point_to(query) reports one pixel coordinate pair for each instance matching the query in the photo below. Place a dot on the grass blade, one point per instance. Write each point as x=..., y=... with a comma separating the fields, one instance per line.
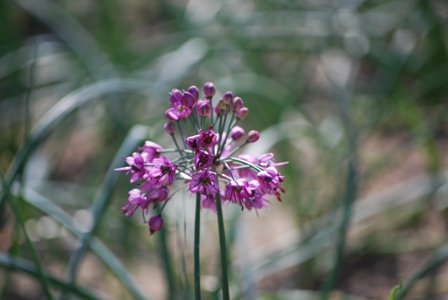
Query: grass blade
x=18, y=214
x=20, y=264
x=107, y=256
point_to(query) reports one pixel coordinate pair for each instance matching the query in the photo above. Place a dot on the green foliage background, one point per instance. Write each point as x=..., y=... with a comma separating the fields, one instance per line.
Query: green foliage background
x=352, y=93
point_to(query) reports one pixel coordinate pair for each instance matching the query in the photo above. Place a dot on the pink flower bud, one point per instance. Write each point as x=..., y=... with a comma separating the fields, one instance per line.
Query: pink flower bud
x=222, y=105
x=169, y=128
x=175, y=96
x=227, y=97
x=155, y=223
x=242, y=113
x=236, y=133
x=253, y=136
x=187, y=99
x=194, y=91
x=221, y=108
x=237, y=104
x=209, y=89
x=204, y=108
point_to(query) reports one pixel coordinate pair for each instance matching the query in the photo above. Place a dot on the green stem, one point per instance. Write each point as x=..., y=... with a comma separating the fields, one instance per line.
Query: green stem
x=197, y=228
x=222, y=245
x=167, y=262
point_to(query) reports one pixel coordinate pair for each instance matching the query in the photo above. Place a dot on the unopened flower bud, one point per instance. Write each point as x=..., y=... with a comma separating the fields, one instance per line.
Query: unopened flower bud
x=155, y=223
x=220, y=108
x=194, y=91
x=253, y=136
x=236, y=133
x=227, y=97
x=187, y=99
x=242, y=113
x=222, y=105
x=237, y=104
x=169, y=128
x=204, y=108
x=175, y=96
x=209, y=89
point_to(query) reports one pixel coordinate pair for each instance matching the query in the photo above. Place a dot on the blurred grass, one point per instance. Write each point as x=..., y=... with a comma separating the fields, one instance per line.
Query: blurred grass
x=346, y=89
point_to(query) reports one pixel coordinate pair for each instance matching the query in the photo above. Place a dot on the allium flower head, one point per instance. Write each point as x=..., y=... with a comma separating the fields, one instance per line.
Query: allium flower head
x=205, y=134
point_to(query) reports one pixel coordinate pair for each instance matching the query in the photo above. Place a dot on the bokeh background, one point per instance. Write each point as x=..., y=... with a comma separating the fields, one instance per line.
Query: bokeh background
x=353, y=93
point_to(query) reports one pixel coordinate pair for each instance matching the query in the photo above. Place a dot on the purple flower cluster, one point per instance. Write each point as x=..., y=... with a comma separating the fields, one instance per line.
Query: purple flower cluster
x=204, y=160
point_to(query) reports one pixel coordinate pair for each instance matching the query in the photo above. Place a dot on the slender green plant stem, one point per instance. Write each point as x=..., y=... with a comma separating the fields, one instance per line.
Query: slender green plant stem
x=197, y=233
x=222, y=245
x=167, y=263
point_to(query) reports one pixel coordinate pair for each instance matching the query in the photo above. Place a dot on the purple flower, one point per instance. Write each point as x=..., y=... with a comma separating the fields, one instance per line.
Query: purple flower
x=242, y=113
x=203, y=159
x=236, y=191
x=255, y=200
x=270, y=180
x=236, y=133
x=169, y=128
x=136, y=200
x=267, y=160
x=204, y=182
x=162, y=172
x=150, y=150
x=194, y=142
x=253, y=136
x=175, y=97
x=209, y=137
x=194, y=91
x=209, y=89
x=221, y=107
x=187, y=99
x=237, y=104
x=227, y=98
x=160, y=194
x=247, y=180
x=136, y=166
x=248, y=172
x=179, y=110
x=171, y=114
x=209, y=201
x=203, y=108
x=155, y=223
